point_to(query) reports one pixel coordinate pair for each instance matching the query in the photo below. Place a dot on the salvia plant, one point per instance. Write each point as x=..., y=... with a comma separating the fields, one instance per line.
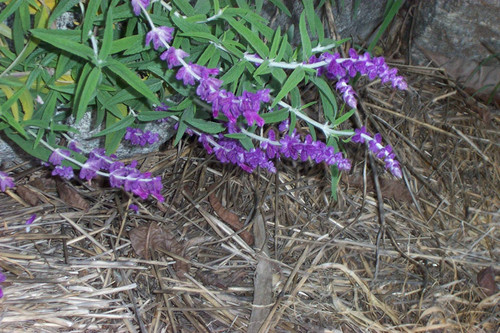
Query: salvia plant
x=237, y=86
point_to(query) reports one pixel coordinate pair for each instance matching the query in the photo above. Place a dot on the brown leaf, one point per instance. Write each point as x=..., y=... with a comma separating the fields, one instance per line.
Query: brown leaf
x=154, y=237
x=70, y=196
x=44, y=183
x=27, y=195
x=230, y=218
x=486, y=280
x=390, y=188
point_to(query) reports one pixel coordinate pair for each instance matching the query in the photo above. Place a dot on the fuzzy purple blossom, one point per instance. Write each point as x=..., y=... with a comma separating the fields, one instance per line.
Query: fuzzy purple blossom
x=65, y=172
x=58, y=155
x=134, y=208
x=173, y=56
x=137, y=4
x=132, y=180
x=2, y=279
x=375, y=145
x=137, y=136
x=160, y=36
x=5, y=181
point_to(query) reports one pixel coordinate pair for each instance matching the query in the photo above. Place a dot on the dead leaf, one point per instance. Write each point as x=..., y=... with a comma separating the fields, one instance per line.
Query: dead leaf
x=486, y=280
x=390, y=188
x=70, y=196
x=156, y=238
x=31, y=197
x=230, y=218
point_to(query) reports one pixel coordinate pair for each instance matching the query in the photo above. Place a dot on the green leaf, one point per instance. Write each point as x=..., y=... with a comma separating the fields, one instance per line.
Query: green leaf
x=186, y=116
x=275, y=116
x=61, y=8
x=391, y=13
x=281, y=7
x=123, y=123
x=88, y=20
x=127, y=43
x=200, y=35
x=88, y=92
x=206, y=126
x=276, y=43
x=113, y=140
x=185, y=7
x=252, y=39
x=132, y=79
x=304, y=38
x=148, y=116
x=108, y=35
x=245, y=141
x=344, y=117
x=11, y=8
x=27, y=145
x=64, y=44
x=293, y=80
x=234, y=73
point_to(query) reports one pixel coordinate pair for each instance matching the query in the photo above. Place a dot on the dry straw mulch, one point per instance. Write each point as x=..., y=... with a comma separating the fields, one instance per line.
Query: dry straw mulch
x=387, y=256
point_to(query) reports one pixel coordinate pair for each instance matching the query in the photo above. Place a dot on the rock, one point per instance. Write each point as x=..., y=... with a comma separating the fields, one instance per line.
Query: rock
x=457, y=30
x=350, y=22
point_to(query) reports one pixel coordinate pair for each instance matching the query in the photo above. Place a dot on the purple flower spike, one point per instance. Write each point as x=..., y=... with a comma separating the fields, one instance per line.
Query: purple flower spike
x=161, y=36
x=58, y=156
x=2, y=279
x=173, y=56
x=90, y=168
x=137, y=137
x=136, y=5
x=375, y=144
x=63, y=171
x=5, y=181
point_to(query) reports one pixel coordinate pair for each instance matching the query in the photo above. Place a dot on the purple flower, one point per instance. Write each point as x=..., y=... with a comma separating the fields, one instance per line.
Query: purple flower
x=209, y=89
x=132, y=180
x=271, y=150
x=188, y=74
x=63, y=171
x=90, y=168
x=29, y=222
x=137, y=137
x=134, y=208
x=104, y=160
x=31, y=219
x=161, y=36
x=173, y=56
x=375, y=145
x=5, y=181
x=73, y=145
x=58, y=156
x=2, y=279
x=359, y=136
x=290, y=146
x=136, y=5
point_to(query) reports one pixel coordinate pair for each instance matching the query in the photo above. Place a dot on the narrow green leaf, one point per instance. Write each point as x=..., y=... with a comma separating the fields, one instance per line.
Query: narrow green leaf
x=206, y=126
x=304, y=38
x=77, y=49
x=275, y=116
x=90, y=15
x=126, y=43
x=185, y=7
x=393, y=10
x=234, y=73
x=27, y=145
x=245, y=141
x=11, y=8
x=80, y=86
x=276, y=43
x=107, y=40
x=123, y=123
x=186, y=116
x=61, y=8
x=344, y=117
x=18, y=32
x=88, y=92
x=293, y=80
x=132, y=79
x=148, y=116
x=281, y=6
x=252, y=39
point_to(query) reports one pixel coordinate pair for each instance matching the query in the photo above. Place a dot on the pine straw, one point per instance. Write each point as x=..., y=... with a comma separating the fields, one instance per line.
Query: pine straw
x=329, y=267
